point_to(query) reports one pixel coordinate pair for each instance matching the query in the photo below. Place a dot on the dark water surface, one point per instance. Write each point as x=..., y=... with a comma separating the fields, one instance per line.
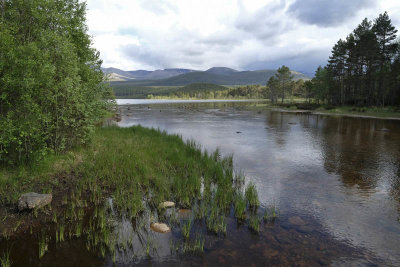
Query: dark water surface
x=335, y=181
x=340, y=175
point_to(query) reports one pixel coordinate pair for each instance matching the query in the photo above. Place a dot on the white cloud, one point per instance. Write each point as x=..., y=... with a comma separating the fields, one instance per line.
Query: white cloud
x=151, y=34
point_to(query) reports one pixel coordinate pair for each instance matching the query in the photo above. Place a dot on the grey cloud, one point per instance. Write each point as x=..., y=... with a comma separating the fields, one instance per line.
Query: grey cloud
x=306, y=62
x=165, y=57
x=223, y=39
x=145, y=55
x=234, y=46
x=326, y=13
x=265, y=23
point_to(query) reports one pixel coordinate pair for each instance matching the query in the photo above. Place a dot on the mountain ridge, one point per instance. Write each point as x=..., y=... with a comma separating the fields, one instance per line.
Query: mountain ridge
x=182, y=77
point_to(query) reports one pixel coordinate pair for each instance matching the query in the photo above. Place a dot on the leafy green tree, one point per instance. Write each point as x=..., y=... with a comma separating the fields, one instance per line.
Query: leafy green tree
x=272, y=89
x=308, y=90
x=284, y=81
x=51, y=84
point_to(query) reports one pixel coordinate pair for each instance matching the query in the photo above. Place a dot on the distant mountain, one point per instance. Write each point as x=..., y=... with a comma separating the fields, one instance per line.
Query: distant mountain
x=115, y=74
x=221, y=71
x=144, y=74
x=232, y=78
x=182, y=77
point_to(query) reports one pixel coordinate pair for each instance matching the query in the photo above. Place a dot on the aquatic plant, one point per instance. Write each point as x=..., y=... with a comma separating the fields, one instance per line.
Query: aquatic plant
x=5, y=259
x=43, y=245
x=196, y=246
x=201, y=210
x=254, y=223
x=215, y=222
x=186, y=228
x=271, y=213
x=240, y=206
x=126, y=172
x=252, y=196
x=60, y=233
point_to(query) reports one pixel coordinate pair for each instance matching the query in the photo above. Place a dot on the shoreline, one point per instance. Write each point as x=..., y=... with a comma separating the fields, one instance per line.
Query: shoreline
x=268, y=106
x=312, y=112
x=121, y=101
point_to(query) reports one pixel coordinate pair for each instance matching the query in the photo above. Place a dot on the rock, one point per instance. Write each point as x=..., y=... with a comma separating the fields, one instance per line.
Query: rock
x=160, y=228
x=167, y=204
x=296, y=220
x=270, y=253
x=184, y=213
x=33, y=200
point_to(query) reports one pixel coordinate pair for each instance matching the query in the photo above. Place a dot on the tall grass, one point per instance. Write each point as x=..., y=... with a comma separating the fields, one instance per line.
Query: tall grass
x=5, y=259
x=252, y=196
x=136, y=169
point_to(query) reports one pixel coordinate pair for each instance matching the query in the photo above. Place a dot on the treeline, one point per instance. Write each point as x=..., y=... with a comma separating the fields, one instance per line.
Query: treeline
x=140, y=92
x=51, y=89
x=364, y=69
x=213, y=91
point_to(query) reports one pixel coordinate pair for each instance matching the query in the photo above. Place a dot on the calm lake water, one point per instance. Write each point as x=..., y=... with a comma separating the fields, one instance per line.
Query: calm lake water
x=335, y=180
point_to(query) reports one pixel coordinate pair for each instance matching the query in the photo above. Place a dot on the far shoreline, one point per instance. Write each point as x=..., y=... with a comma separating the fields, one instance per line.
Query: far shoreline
x=339, y=113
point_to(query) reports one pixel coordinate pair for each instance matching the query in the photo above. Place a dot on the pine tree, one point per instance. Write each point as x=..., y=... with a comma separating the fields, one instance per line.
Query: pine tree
x=284, y=79
x=385, y=34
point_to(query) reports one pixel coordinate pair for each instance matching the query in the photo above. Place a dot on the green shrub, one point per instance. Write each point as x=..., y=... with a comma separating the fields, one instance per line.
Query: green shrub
x=51, y=90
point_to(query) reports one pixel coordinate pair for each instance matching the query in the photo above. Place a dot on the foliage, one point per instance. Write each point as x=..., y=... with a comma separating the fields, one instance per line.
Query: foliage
x=126, y=90
x=195, y=90
x=200, y=90
x=364, y=69
x=280, y=85
x=51, y=90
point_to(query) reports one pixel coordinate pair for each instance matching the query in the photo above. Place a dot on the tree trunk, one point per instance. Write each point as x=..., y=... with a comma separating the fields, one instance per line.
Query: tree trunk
x=3, y=7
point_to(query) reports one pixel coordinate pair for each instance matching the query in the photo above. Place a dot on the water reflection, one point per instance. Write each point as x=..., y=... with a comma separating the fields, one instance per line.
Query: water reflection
x=342, y=172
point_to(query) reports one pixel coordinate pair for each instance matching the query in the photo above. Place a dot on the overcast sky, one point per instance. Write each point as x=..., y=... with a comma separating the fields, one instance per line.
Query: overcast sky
x=240, y=34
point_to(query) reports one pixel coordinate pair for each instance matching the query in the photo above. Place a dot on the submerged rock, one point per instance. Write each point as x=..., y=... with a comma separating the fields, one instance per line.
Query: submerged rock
x=167, y=204
x=33, y=200
x=296, y=220
x=160, y=228
x=184, y=213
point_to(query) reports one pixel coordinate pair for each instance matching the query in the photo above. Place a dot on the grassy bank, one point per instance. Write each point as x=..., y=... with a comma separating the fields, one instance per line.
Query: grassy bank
x=300, y=106
x=137, y=168
x=378, y=112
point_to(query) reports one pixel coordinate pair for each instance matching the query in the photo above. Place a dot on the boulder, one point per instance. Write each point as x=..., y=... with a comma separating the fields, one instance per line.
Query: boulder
x=296, y=220
x=33, y=200
x=167, y=204
x=160, y=228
